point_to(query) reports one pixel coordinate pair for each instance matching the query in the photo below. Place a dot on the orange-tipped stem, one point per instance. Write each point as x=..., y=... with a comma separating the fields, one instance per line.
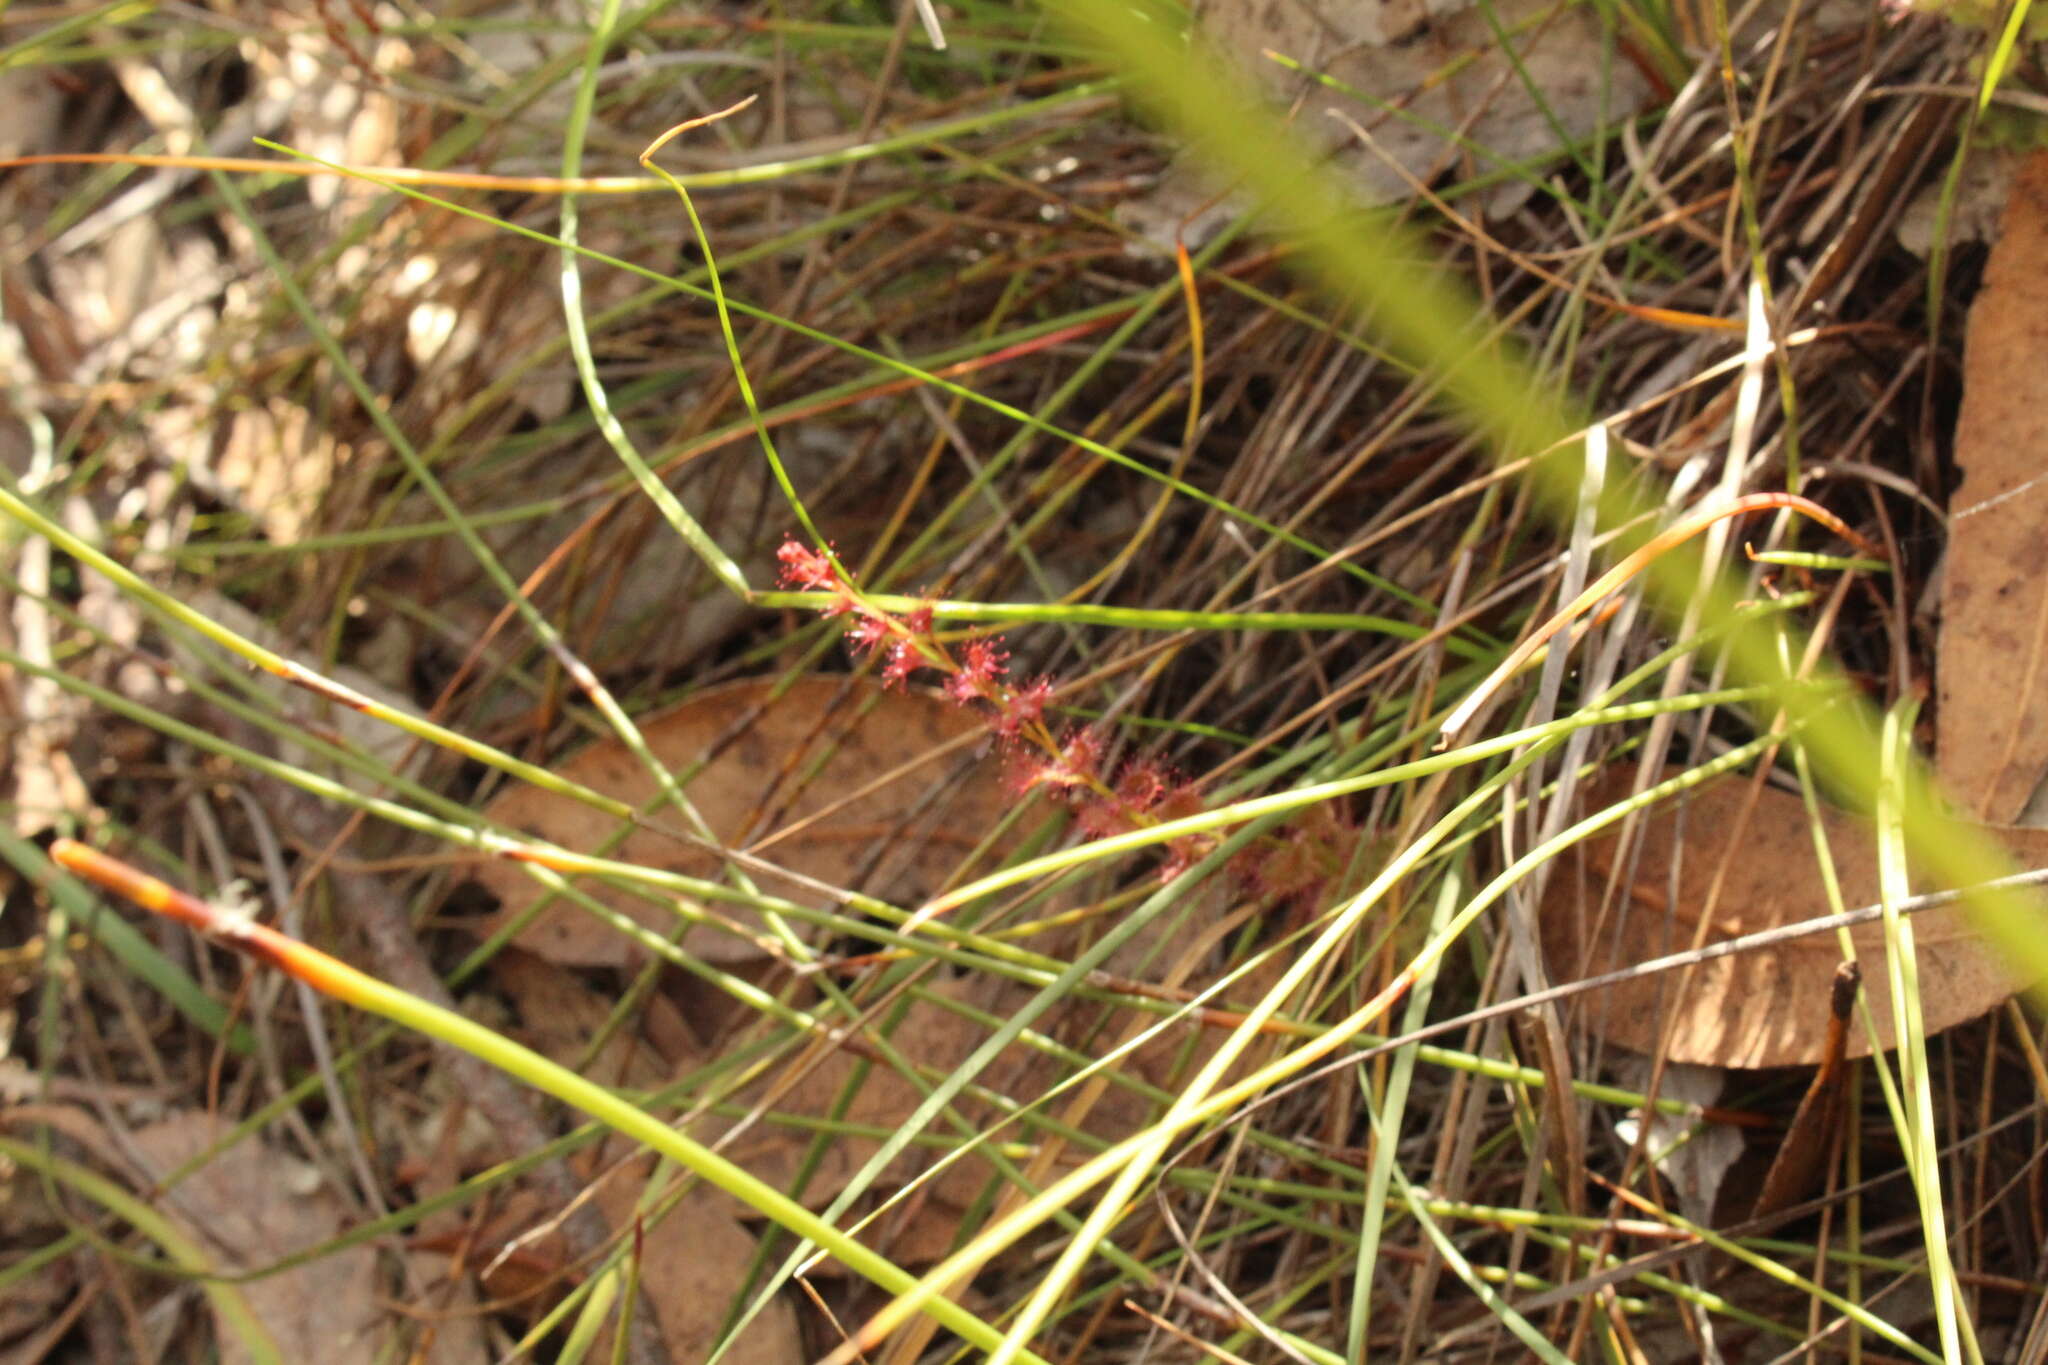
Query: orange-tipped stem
x=364, y=992
x=325, y=974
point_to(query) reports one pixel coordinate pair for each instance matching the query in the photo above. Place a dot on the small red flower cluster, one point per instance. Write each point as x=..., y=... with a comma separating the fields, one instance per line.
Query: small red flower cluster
x=1071, y=767
x=1068, y=767
x=899, y=640
x=907, y=644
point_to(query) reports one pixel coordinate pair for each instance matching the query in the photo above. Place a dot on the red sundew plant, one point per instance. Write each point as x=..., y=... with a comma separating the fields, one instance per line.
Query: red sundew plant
x=1069, y=767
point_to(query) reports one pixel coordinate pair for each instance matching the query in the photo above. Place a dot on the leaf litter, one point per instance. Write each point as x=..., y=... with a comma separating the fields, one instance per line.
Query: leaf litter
x=1293, y=374
x=1993, y=740
x=693, y=1252
x=1767, y=1008
x=885, y=792
x=252, y=1206
x=761, y=759
x=1705, y=867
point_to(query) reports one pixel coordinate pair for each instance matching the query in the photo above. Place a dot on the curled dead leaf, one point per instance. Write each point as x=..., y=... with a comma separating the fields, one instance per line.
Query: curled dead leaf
x=1755, y=1009
x=832, y=778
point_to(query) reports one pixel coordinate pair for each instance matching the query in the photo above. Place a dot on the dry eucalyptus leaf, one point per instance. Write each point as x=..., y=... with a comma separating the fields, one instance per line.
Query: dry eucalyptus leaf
x=644, y=575
x=1994, y=611
x=432, y=1282
x=693, y=1267
x=898, y=780
x=1769, y=1008
x=693, y=1260
x=938, y=1039
x=1432, y=85
x=252, y=1207
x=932, y=1037
x=1411, y=73
x=1755, y=1009
x=919, y=1232
x=1967, y=212
x=558, y=1016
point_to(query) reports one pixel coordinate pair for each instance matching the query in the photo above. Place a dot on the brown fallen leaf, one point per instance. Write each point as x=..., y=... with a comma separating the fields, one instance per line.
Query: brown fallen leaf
x=937, y=1037
x=1441, y=65
x=693, y=1260
x=1993, y=722
x=559, y=1016
x=930, y=1036
x=895, y=777
x=1756, y=1009
x=693, y=1267
x=1992, y=752
x=251, y=1207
